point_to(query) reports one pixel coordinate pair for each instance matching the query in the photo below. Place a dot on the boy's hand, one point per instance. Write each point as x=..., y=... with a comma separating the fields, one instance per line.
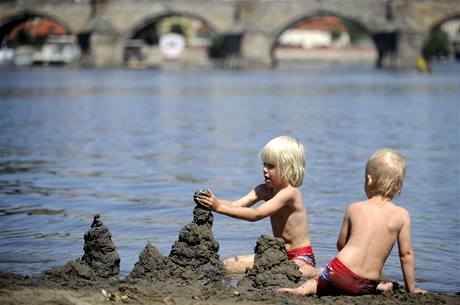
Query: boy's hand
x=200, y=192
x=206, y=199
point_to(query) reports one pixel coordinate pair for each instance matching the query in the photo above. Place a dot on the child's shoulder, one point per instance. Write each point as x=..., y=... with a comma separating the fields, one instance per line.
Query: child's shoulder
x=356, y=205
x=364, y=204
x=293, y=189
x=401, y=211
x=289, y=192
x=396, y=209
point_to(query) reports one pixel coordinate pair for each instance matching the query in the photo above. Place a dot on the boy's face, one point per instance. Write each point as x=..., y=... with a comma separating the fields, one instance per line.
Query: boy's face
x=272, y=176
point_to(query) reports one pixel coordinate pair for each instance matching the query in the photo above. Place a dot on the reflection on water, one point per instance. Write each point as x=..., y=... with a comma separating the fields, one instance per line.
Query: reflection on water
x=135, y=145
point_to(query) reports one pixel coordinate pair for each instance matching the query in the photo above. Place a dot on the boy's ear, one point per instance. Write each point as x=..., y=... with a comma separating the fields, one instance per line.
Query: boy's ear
x=369, y=180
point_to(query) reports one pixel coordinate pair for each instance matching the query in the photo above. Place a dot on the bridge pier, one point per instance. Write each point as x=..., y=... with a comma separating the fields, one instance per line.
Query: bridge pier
x=398, y=50
x=410, y=46
x=106, y=50
x=256, y=50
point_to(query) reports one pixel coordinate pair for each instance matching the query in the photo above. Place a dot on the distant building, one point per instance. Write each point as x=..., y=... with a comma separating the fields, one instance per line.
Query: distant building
x=38, y=27
x=58, y=49
x=39, y=41
x=317, y=32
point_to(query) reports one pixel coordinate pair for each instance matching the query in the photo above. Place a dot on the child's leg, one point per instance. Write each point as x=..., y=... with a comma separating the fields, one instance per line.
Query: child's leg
x=239, y=264
x=308, y=271
x=307, y=288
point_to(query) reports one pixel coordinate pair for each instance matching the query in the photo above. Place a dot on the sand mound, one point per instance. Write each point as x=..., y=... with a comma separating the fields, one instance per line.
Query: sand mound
x=193, y=259
x=99, y=261
x=151, y=265
x=271, y=268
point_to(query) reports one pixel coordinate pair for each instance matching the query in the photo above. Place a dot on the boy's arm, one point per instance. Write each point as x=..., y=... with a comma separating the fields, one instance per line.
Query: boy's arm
x=248, y=200
x=406, y=254
x=246, y=213
x=260, y=192
x=345, y=231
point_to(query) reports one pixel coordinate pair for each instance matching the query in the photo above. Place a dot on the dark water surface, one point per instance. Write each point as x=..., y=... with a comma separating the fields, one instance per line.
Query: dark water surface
x=135, y=145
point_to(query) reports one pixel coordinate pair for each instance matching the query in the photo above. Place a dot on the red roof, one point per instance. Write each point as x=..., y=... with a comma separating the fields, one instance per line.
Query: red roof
x=40, y=27
x=326, y=23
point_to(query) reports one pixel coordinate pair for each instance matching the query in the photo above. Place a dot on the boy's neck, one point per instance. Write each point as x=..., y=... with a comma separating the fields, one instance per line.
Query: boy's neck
x=379, y=199
x=275, y=190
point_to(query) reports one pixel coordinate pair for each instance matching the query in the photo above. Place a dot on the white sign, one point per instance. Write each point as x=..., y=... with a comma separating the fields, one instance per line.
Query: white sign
x=172, y=45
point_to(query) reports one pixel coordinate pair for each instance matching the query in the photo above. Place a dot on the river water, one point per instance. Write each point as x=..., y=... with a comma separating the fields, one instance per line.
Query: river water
x=133, y=146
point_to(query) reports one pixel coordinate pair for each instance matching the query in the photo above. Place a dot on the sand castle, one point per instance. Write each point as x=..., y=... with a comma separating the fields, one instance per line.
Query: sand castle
x=193, y=258
x=192, y=261
x=99, y=261
x=271, y=269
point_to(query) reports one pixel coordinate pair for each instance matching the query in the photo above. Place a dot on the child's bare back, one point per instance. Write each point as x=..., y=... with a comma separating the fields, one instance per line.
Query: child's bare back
x=369, y=233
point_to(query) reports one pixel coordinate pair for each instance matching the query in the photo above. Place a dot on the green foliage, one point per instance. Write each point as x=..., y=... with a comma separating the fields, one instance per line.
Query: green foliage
x=217, y=48
x=149, y=35
x=24, y=38
x=335, y=34
x=437, y=45
x=356, y=34
x=178, y=29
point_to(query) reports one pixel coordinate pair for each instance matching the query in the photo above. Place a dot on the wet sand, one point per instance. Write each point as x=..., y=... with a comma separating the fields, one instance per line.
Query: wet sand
x=191, y=274
x=17, y=290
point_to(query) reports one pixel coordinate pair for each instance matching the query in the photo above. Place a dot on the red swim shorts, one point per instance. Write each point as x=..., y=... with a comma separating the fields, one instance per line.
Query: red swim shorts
x=304, y=255
x=337, y=279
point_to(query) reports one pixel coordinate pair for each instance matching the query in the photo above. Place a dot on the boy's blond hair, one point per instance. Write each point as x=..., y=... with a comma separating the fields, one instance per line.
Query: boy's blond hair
x=387, y=169
x=288, y=154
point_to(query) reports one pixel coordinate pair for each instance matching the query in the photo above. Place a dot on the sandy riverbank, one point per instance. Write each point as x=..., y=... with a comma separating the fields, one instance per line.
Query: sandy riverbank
x=26, y=291
x=191, y=274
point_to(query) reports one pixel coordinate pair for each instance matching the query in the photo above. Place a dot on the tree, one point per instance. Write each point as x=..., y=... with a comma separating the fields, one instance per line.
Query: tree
x=335, y=34
x=437, y=45
x=23, y=37
x=177, y=28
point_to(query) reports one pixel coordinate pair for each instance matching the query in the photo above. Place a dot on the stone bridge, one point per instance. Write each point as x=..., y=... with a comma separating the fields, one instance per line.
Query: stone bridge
x=398, y=27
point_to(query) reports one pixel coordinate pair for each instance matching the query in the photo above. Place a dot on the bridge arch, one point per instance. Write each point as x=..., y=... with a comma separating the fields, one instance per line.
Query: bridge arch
x=436, y=27
x=153, y=19
x=136, y=32
x=33, y=38
x=350, y=20
x=439, y=23
x=10, y=22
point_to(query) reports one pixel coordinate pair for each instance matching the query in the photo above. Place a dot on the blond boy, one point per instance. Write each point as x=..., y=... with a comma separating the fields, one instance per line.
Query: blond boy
x=283, y=169
x=370, y=229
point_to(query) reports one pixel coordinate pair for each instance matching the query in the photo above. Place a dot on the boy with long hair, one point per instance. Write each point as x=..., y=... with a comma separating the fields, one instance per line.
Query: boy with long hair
x=283, y=169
